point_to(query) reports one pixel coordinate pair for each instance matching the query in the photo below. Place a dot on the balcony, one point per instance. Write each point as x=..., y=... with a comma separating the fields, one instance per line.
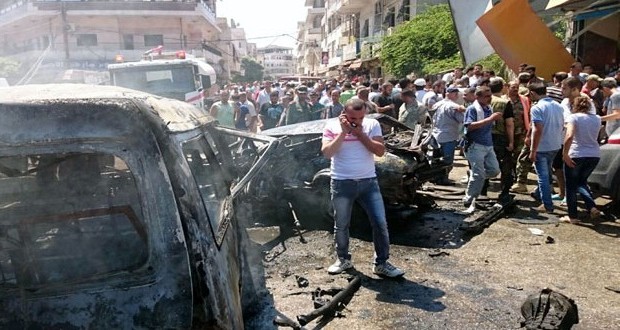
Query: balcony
x=38, y=9
x=314, y=30
x=348, y=7
x=316, y=11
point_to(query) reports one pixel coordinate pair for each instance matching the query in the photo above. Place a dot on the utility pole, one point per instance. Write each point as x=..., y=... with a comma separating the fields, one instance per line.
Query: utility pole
x=65, y=33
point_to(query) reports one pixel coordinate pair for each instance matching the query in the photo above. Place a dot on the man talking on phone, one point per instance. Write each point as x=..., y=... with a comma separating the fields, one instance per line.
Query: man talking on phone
x=351, y=143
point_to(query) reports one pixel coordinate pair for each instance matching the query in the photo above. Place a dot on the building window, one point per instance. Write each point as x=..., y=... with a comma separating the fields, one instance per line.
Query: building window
x=87, y=40
x=153, y=40
x=316, y=23
x=365, y=29
x=390, y=18
x=128, y=41
x=378, y=16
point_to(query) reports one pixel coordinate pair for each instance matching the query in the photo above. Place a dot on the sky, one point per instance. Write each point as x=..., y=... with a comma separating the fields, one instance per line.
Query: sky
x=263, y=20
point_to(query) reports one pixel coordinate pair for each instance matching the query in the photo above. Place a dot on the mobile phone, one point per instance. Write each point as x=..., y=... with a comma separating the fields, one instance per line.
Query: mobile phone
x=353, y=124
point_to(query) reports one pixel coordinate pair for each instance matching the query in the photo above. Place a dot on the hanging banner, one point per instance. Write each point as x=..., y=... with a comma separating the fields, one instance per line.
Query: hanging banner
x=325, y=58
x=474, y=45
x=518, y=35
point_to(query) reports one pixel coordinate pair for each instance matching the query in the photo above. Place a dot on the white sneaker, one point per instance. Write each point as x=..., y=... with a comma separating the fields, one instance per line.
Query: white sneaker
x=388, y=270
x=340, y=266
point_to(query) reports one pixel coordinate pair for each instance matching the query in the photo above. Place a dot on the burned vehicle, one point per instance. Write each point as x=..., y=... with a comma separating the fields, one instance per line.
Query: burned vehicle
x=407, y=164
x=120, y=211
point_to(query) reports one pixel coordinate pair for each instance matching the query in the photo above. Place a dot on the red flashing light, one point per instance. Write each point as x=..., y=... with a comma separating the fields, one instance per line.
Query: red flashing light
x=119, y=58
x=180, y=54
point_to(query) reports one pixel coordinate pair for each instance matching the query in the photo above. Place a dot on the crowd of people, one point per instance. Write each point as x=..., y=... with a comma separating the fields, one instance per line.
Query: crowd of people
x=502, y=127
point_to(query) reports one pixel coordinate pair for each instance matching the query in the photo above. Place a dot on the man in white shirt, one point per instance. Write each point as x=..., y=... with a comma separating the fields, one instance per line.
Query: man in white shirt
x=252, y=116
x=353, y=178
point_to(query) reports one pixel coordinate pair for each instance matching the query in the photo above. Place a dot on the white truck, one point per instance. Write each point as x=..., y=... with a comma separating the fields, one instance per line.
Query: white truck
x=175, y=75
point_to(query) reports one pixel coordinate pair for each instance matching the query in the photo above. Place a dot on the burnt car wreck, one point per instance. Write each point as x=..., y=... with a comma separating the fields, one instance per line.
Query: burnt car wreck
x=123, y=210
x=408, y=163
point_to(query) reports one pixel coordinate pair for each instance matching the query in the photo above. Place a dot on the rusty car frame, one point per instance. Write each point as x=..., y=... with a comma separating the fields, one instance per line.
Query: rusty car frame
x=120, y=210
x=408, y=163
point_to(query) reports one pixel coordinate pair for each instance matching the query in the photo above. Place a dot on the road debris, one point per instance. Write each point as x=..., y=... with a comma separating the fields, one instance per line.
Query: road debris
x=297, y=224
x=536, y=231
x=549, y=309
x=335, y=304
x=438, y=253
x=282, y=320
x=477, y=222
x=549, y=240
x=615, y=289
x=302, y=282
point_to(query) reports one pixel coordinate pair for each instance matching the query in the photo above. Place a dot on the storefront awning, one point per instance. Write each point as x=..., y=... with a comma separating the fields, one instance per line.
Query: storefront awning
x=356, y=64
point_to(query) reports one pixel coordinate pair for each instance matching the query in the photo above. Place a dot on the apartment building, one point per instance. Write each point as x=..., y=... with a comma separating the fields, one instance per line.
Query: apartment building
x=351, y=33
x=50, y=37
x=277, y=61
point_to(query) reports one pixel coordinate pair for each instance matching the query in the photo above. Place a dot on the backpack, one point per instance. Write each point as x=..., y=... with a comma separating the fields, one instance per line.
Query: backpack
x=549, y=310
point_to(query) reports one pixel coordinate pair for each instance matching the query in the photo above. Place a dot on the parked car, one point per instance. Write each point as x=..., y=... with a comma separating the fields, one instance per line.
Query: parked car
x=119, y=210
x=406, y=165
x=606, y=176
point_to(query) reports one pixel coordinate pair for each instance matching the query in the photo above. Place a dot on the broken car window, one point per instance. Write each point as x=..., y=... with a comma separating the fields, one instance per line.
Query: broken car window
x=68, y=217
x=209, y=177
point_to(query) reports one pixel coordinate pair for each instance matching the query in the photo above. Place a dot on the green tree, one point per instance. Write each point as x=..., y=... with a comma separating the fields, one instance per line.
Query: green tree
x=8, y=67
x=253, y=71
x=426, y=44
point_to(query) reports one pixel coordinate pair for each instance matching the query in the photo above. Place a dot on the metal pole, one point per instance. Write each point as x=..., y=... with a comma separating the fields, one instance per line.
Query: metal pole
x=65, y=34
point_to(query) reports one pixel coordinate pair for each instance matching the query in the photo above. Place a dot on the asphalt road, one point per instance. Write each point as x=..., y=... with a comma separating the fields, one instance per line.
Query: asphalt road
x=454, y=279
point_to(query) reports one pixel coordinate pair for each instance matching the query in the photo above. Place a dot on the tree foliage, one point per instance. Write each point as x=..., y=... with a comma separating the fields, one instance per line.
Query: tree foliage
x=253, y=71
x=426, y=44
x=8, y=67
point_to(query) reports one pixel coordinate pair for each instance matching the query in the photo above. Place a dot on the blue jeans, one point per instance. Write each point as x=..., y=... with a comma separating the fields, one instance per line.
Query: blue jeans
x=543, y=163
x=366, y=192
x=447, y=152
x=483, y=165
x=576, y=179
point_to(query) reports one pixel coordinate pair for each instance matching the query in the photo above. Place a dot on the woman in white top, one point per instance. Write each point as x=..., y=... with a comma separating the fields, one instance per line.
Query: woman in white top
x=581, y=153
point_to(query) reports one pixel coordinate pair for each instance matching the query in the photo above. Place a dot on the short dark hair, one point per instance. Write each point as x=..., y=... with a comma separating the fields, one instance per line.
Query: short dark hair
x=560, y=75
x=538, y=88
x=530, y=68
x=403, y=83
x=481, y=90
x=274, y=93
x=496, y=85
x=609, y=83
x=407, y=92
x=572, y=82
x=355, y=104
x=483, y=82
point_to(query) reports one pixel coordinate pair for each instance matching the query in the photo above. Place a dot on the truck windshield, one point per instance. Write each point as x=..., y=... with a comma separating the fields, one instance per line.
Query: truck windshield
x=171, y=82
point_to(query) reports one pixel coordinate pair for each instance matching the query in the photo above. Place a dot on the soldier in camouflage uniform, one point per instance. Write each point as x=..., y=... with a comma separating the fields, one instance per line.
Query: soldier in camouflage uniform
x=521, y=107
x=503, y=136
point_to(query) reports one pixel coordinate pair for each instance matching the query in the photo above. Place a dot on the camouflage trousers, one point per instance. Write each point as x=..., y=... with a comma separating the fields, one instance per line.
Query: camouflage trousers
x=507, y=160
x=524, y=165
